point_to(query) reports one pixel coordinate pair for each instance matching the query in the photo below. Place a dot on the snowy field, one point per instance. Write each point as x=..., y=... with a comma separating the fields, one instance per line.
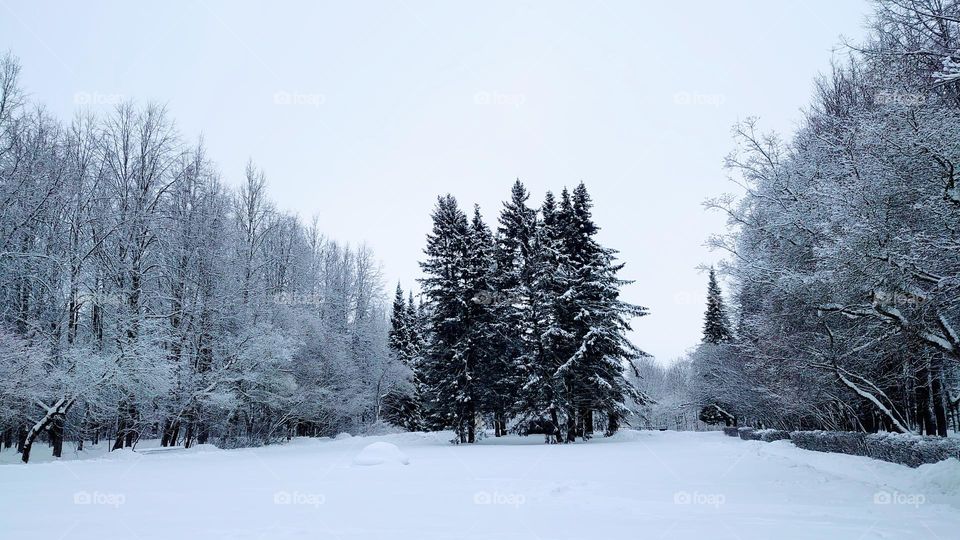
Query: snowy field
x=635, y=485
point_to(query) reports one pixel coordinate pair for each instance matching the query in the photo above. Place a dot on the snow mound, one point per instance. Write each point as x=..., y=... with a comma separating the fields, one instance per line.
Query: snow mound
x=942, y=477
x=342, y=436
x=121, y=454
x=379, y=453
x=206, y=447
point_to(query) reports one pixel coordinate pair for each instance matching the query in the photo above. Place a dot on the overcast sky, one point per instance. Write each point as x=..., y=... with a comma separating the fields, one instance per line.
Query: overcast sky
x=361, y=113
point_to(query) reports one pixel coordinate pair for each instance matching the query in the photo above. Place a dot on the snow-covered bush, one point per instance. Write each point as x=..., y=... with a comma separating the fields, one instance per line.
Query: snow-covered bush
x=905, y=449
x=752, y=434
x=770, y=435
x=842, y=442
x=911, y=450
x=731, y=431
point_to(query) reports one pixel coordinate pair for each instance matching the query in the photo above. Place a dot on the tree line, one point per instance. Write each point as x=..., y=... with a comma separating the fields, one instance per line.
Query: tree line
x=140, y=296
x=519, y=328
x=844, y=251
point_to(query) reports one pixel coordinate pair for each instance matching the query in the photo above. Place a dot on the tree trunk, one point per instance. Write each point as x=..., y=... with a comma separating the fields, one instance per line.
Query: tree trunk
x=59, y=409
x=165, y=437
x=21, y=438
x=613, y=423
x=925, y=423
x=586, y=422
x=56, y=435
x=937, y=397
x=571, y=425
x=555, y=421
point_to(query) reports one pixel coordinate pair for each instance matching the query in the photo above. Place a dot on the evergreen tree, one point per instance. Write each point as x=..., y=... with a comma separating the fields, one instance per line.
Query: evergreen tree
x=493, y=370
x=540, y=390
x=399, y=326
x=716, y=325
x=513, y=280
x=450, y=358
x=528, y=323
x=402, y=406
x=594, y=377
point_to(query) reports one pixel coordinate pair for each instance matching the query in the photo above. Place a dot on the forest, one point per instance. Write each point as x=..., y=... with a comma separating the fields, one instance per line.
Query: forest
x=843, y=253
x=143, y=297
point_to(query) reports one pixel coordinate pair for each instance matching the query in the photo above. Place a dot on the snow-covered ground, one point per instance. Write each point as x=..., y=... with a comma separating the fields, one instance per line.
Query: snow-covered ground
x=635, y=485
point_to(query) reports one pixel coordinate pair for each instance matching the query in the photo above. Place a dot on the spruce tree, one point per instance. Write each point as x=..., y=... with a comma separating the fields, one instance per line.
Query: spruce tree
x=512, y=278
x=716, y=325
x=450, y=363
x=402, y=407
x=493, y=369
x=540, y=391
x=398, y=337
x=594, y=377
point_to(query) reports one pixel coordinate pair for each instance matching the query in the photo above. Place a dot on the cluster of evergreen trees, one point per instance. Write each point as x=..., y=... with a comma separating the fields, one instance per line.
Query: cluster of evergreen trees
x=523, y=327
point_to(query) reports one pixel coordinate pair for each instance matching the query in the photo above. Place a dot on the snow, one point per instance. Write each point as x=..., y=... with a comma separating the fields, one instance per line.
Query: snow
x=379, y=453
x=637, y=484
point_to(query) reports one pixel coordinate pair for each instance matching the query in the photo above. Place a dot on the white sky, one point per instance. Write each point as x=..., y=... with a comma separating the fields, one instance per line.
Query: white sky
x=393, y=103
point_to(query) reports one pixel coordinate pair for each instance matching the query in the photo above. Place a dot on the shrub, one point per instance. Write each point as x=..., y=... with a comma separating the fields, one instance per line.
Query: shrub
x=910, y=450
x=731, y=431
x=765, y=435
x=830, y=441
x=770, y=435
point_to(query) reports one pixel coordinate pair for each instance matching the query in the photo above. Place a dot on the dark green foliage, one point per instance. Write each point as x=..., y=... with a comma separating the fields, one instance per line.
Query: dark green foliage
x=716, y=324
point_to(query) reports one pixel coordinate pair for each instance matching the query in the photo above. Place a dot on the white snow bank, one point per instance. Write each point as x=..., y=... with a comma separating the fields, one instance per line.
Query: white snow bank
x=938, y=482
x=122, y=454
x=942, y=478
x=379, y=453
x=665, y=484
x=342, y=436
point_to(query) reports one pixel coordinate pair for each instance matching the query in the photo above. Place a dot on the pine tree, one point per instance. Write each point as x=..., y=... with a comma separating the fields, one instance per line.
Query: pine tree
x=399, y=338
x=513, y=282
x=594, y=377
x=402, y=406
x=540, y=390
x=494, y=370
x=716, y=325
x=450, y=358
